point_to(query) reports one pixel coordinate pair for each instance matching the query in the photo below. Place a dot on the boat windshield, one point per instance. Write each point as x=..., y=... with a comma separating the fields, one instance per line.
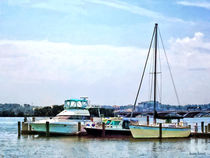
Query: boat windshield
x=73, y=117
x=75, y=103
x=108, y=122
x=115, y=123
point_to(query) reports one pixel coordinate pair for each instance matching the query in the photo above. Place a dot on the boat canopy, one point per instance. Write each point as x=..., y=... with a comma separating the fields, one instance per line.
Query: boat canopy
x=75, y=103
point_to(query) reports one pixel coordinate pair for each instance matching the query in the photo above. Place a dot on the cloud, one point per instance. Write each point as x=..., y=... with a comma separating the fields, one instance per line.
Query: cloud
x=61, y=70
x=199, y=4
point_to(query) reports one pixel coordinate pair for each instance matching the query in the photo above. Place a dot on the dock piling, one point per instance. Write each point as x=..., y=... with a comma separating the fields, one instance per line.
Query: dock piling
x=202, y=127
x=147, y=120
x=79, y=126
x=209, y=127
x=196, y=127
x=47, y=129
x=103, y=129
x=19, y=129
x=206, y=129
x=160, y=130
x=24, y=127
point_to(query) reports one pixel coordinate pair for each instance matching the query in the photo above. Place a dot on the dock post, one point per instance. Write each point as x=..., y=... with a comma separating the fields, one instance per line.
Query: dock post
x=24, y=128
x=147, y=120
x=206, y=129
x=196, y=127
x=33, y=119
x=47, y=129
x=202, y=127
x=103, y=129
x=29, y=128
x=19, y=129
x=160, y=130
x=209, y=127
x=79, y=126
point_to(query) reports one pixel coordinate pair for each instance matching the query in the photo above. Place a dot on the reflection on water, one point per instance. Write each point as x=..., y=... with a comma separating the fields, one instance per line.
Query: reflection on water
x=37, y=146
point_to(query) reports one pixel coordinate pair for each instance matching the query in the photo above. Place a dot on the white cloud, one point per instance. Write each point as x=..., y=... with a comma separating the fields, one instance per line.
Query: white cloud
x=201, y=4
x=47, y=72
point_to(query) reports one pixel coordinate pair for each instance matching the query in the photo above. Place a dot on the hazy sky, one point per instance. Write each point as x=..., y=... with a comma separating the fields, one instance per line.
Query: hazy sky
x=52, y=50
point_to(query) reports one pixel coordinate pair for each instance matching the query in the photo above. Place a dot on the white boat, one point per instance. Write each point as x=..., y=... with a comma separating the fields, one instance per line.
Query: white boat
x=156, y=130
x=66, y=122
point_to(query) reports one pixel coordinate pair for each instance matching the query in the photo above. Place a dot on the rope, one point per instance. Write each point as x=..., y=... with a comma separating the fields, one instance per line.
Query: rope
x=142, y=74
x=169, y=69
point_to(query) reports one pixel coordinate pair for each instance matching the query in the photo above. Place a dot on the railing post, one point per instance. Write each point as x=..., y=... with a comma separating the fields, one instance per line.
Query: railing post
x=47, y=129
x=160, y=130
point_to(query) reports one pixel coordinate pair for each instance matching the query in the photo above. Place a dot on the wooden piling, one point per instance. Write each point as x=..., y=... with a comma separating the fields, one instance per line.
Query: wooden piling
x=30, y=128
x=103, y=129
x=160, y=130
x=196, y=127
x=79, y=126
x=202, y=127
x=24, y=128
x=209, y=127
x=47, y=129
x=147, y=120
x=19, y=129
x=206, y=129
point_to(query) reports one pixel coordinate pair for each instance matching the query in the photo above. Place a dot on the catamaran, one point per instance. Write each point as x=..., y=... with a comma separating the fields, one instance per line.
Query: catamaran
x=66, y=122
x=154, y=130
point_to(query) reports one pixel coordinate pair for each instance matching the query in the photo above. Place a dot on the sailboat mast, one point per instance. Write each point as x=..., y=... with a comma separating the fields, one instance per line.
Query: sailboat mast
x=155, y=74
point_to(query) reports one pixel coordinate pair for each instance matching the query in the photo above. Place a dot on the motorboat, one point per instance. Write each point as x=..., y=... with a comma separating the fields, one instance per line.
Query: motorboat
x=68, y=122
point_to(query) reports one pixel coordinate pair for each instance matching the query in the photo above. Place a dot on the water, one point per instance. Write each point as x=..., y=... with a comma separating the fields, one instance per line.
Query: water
x=71, y=147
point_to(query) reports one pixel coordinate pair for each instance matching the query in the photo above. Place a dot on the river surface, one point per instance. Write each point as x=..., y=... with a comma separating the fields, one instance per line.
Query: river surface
x=88, y=147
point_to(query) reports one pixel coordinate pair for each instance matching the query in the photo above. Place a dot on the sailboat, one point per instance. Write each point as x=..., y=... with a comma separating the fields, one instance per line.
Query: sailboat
x=155, y=130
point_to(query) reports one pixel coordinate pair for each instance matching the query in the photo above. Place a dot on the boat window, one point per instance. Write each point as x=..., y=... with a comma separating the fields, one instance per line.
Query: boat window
x=115, y=122
x=72, y=117
x=76, y=117
x=108, y=122
x=79, y=104
x=73, y=104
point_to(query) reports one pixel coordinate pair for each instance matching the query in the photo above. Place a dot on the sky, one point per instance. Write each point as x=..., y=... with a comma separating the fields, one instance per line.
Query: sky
x=54, y=50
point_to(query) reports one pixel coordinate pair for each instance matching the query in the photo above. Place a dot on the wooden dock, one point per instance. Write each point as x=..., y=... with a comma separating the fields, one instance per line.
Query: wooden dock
x=24, y=128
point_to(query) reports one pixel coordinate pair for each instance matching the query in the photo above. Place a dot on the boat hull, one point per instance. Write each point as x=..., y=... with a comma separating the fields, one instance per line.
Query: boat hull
x=108, y=132
x=139, y=131
x=56, y=128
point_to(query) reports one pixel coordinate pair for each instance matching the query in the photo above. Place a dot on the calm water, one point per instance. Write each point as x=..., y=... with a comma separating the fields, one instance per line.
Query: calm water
x=36, y=146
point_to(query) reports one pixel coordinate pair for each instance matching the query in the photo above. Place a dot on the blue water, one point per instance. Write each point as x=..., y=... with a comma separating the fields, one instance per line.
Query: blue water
x=71, y=147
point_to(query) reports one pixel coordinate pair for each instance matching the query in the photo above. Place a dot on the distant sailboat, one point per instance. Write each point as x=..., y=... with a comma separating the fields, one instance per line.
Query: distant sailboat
x=154, y=130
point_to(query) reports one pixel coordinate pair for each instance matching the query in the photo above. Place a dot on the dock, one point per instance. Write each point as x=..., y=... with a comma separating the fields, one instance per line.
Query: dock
x=24, y=128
